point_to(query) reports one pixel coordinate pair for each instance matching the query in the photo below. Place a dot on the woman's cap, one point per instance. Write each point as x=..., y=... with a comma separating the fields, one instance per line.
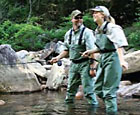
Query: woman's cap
x=76, y=13
x=101, y=9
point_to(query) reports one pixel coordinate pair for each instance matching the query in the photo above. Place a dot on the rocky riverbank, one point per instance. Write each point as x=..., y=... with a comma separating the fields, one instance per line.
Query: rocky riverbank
x=25, y=71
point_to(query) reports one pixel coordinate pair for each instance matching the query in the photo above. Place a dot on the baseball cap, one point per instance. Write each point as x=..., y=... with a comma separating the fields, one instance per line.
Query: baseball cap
x=76, y=13
x=101, y=9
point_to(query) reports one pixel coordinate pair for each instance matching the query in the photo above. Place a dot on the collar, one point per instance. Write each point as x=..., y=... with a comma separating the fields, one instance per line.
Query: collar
x=79, y=29
x=100, y=29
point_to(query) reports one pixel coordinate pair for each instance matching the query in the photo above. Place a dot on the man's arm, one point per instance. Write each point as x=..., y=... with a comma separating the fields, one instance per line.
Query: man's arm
x=61, y=55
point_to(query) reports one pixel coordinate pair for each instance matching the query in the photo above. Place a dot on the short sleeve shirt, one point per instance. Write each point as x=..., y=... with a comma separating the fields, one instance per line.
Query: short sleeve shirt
x=115, y=34
x=88, y=38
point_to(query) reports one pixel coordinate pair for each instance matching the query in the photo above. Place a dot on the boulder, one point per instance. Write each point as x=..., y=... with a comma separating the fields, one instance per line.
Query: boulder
x=128, y=90
x=15, y=76
x=58, y=75
x=32, y=63
x=2, y=102
x=133, y=60
x=18, y=79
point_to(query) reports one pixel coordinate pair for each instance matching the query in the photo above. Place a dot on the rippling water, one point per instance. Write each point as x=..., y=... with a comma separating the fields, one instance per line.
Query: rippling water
x=52, y=103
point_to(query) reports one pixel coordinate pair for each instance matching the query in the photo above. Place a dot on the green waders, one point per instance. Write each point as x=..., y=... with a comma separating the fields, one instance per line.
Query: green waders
x=108, y=73
x=79, y=73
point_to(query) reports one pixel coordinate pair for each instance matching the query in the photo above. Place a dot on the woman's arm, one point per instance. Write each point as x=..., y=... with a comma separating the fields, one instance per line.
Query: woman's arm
x=123, y=63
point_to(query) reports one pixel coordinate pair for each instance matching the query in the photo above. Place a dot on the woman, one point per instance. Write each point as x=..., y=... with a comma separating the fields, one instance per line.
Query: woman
x=110, y=40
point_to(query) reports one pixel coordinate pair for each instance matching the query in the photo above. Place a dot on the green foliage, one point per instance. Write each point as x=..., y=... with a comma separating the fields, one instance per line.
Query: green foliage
x=124, y=12
x=133, y=35
x=59, y=32
x=55, y=34
x=32, y=37
x=29, y=34
x=17, y=14
x=33, y=20
x=8, y=29
x=27, y=37
x=22, y=36
x=137, y=14
x=134, y=40
x=88, y=21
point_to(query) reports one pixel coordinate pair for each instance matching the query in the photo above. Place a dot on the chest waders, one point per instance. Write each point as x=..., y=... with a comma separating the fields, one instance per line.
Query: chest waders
x=79, y=72
x=108, y=73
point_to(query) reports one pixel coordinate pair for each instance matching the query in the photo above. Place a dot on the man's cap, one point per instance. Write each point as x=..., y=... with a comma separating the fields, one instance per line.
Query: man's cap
x=76, y=13
x=101, y=9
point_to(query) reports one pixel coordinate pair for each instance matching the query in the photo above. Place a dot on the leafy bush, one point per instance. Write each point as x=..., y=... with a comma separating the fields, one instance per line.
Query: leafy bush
x=134, y=40
x=22, y=36
x=60, y=31
x=27, y=37
x=17, y=14
x=8, y=29
x=88, y=21
x=32, y=37
x=133, y=35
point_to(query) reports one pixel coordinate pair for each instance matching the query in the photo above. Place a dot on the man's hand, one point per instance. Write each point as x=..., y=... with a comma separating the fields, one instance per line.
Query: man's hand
x=57, y=58
x=54, y=60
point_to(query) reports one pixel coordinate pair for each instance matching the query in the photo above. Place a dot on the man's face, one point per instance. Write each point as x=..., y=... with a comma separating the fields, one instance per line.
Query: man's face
x=77, y=20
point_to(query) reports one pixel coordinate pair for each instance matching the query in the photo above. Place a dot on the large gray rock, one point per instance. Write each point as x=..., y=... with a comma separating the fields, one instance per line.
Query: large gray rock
x=7, y=55
x=57, y=76
x=133, y=60
x=128, y=90
x=24, y=77
x=15, y=77
x=30, y=59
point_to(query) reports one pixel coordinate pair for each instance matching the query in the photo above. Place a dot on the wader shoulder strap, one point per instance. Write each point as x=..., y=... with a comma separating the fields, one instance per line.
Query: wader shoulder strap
x=81, y=35
x=105, y=28
x=70, y=36
x=80, y=38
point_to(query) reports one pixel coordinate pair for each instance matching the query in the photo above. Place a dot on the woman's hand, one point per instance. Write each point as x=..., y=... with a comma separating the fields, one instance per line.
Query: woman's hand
x=124, y=65
x=92, y=72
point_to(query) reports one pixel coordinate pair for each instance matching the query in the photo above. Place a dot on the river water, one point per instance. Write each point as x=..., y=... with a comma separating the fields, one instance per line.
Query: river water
x=52, y=103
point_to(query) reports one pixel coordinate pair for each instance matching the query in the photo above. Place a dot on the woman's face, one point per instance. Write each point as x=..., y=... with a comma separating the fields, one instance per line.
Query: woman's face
x=97, y=16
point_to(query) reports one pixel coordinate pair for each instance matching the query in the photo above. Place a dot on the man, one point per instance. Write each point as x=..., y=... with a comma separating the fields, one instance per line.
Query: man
x=77, y=40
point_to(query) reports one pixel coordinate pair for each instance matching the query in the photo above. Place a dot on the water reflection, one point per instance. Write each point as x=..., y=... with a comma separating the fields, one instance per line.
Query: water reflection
x=52, y=103
x=82, y=109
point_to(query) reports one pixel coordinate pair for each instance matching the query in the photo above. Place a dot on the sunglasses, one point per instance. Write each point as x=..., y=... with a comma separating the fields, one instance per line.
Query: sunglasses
x=78, y=17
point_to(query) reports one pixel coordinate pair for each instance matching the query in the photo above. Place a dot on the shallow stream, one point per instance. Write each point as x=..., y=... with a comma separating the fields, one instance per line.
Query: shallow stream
x=52, y=103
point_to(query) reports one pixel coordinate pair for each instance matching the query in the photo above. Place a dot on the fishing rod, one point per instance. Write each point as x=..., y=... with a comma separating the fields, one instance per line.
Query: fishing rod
x=23, y=63
x=59, y=63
